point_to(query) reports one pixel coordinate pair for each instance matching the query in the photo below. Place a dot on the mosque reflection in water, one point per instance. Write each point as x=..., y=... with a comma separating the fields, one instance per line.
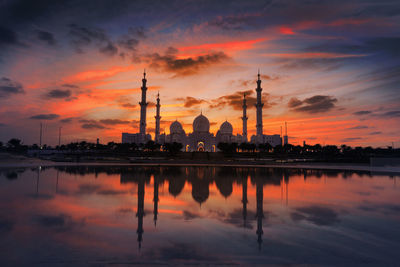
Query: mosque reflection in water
x=200, y=179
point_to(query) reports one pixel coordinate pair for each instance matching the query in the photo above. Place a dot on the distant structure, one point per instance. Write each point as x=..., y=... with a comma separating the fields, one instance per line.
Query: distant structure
x=201, y=139
x=141, y=137
x=158, y=118
x=285, y=137
x=244, y=119
x=259, y=105
x=260, y=137
x=143, y=106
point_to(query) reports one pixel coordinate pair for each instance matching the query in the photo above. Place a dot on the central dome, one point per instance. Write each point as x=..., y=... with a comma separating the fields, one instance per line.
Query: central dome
x=201, y=124
x=175, y=127
x=226, y=128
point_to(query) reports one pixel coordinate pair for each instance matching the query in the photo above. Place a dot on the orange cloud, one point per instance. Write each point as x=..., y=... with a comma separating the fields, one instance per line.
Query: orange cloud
x=234, y=45
x=312, y=55
x=97, y=74
x=286, y=30
x=350, y=21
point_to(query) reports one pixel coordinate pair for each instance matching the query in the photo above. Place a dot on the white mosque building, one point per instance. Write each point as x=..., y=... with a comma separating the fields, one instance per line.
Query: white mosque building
x=201, y=139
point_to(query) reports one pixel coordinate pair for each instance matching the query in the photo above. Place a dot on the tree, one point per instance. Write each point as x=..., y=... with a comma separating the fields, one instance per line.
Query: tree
x=227, y=148
x=173, y=148
x=265, y=147
x=14, y=143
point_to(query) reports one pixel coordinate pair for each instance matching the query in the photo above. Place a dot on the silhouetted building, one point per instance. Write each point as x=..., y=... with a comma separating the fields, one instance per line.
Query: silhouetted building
x=201, y=139
x=141, y=137
x=244, y=119
x=260, y=212
x=158, y=118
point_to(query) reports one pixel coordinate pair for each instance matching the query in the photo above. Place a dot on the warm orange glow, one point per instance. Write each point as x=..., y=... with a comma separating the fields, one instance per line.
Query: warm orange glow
x=286, y=30
x=97, y=74
x=233, y=45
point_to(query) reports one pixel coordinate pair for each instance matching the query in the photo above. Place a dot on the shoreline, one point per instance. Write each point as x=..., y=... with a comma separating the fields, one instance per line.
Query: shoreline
x=316, y=166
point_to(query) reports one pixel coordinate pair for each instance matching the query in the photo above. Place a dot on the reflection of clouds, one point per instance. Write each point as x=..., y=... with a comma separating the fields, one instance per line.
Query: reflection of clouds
x=235, y=218
x=180, y=252
x=87, y=189
x=40, y=196
x=386, y=209
x=125, y=210
x=6, y=225
x=315, y=214
x=187, y=215
x=59, y=223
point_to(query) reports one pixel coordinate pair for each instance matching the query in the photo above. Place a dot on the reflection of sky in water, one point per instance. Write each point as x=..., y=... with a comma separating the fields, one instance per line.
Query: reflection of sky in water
x=204, y=215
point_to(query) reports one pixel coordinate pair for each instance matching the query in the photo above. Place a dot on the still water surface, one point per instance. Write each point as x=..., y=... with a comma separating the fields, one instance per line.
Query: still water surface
x=191, y=215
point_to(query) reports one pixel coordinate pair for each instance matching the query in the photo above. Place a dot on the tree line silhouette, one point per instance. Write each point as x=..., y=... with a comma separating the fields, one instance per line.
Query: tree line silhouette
x=317, y=151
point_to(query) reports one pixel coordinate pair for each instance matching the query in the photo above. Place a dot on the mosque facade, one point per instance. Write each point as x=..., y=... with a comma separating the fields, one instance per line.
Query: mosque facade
x=200, y=139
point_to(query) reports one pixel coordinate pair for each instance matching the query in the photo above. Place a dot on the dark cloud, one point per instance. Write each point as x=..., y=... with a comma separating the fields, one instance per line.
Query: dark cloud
x=359, y=127
x=92, y=126
x=138, y=32
x=391, y=114
x=58, y=93
x=128, y=105
x=325, y=64
x=316, y=214
x=47, y=37
x=8, y=37
x=113, y=121
x=234, y=22
x=235, y=100
x=129, y=43
x=375, y=133
x=66, y=120
x=9, y=87
x=315, y=104
x=70, y=85
x=362, y=112
x=350, y=139
x=247, y=83
x=110, y=49
x=2, y=124
x=185, y=66
x=50, y=116
x=59, y=223
x=191, y=101
x=84, y=36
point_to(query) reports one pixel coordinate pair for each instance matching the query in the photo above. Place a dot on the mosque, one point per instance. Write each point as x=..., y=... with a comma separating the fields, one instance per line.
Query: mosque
x=201, y=139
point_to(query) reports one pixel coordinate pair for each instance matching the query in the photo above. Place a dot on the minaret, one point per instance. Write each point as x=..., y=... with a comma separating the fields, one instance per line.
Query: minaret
x=155, y=199
x=260, y=212
x=157, y=131
x=140, y=211
x=244, y=119
x=244, y=199
x=143, y=106
x=259, y=105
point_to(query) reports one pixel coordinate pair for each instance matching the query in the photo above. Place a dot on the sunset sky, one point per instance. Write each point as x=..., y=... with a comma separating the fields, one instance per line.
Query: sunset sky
x=331, y=69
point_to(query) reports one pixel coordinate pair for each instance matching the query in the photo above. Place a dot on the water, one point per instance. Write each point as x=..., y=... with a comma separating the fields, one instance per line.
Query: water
x=197, y=215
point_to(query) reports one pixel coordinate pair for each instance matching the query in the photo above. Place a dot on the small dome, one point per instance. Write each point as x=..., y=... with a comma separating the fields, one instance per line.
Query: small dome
x=226, y=128
x=175, y=127
x=201, y=124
